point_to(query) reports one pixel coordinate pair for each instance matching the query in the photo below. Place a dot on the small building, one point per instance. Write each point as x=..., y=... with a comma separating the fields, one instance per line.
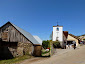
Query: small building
x=37, y=48
x=60, y=35
x=82, y=38
x=72, y=38
x=14, y=42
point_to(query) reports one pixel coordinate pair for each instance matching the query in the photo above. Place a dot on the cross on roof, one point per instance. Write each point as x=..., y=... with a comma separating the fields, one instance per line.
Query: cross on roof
x=57, y=24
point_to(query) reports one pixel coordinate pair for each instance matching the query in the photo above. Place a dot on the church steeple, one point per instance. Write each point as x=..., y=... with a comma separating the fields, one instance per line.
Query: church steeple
x=57, y=33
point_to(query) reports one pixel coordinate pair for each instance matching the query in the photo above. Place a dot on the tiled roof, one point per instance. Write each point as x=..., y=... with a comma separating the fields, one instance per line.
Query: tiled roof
x=65, y=33
x=74, y=36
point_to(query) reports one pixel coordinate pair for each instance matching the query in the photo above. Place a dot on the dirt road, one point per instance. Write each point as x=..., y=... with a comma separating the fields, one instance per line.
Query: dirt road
x=76, y=56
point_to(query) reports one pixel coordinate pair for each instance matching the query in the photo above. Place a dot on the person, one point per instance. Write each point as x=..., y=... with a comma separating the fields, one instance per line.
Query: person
x=81, y=42
x=74, y=44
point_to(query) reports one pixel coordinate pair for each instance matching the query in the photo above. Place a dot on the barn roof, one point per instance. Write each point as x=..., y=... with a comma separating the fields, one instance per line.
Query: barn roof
x=26, y=34
x=38, y=39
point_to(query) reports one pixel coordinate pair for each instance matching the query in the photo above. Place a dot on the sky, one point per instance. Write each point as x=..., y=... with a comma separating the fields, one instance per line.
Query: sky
x=39, y=16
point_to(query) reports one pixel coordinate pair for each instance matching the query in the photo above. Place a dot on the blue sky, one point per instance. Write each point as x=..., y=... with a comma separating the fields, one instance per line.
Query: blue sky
x=39, y=16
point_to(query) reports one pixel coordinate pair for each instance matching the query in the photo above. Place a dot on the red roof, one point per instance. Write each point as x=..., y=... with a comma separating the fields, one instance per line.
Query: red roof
x=65, y=33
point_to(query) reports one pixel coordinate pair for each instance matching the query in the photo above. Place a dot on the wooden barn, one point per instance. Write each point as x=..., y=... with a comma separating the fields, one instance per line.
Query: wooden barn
x=14, y=42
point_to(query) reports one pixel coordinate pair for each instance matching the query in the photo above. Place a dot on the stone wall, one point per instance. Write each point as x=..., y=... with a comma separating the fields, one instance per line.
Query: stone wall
x=24, y=49
x=52, y=51
x=11, y=51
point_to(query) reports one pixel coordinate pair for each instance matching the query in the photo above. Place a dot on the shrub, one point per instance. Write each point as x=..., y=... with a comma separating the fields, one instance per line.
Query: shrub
x=56, y=44
x=84, y=39
x=46, y=44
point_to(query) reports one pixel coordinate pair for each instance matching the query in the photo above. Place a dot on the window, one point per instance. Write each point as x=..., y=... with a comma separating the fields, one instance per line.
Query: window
x=57, y=29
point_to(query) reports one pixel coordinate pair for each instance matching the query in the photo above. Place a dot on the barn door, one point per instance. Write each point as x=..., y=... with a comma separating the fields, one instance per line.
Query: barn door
x=5, y=53
x=37, y=50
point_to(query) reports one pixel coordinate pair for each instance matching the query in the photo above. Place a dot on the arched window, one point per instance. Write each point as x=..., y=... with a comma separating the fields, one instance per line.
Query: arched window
x=57, y=29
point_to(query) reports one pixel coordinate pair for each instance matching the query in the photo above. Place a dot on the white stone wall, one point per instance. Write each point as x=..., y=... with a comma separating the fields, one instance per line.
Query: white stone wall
x=58, y=34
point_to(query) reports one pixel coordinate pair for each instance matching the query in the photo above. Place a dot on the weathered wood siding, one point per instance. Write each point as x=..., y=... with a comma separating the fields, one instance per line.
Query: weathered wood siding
x=10, y=34
x=13, y=42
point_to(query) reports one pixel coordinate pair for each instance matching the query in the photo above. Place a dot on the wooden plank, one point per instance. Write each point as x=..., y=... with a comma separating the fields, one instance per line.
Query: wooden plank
x=5, y=36
x=13, y=35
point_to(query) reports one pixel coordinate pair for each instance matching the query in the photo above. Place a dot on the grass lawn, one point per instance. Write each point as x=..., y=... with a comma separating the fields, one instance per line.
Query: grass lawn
x=15, y=60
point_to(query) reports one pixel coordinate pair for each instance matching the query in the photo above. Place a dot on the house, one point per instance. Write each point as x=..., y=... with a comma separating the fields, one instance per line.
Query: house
x=82, y=38
x=72, y=38
x=60, y=35
x=14, y=42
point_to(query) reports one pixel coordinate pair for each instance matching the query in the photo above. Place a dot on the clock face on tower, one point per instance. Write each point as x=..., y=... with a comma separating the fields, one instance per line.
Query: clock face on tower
x=57, y=29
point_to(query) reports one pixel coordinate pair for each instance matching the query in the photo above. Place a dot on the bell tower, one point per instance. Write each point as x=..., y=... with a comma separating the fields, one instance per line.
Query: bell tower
x=57, y=33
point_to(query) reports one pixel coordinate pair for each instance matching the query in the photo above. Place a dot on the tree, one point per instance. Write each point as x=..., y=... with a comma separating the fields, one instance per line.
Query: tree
x=56, y=44
x=51, y=36
x=84, y=39
x=46, y=44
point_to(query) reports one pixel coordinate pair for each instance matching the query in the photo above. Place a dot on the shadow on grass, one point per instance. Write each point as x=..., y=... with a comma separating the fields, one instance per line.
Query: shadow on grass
x=15, y=60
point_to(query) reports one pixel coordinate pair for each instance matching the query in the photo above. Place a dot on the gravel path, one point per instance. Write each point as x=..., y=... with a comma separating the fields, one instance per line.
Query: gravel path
x=62, y=56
